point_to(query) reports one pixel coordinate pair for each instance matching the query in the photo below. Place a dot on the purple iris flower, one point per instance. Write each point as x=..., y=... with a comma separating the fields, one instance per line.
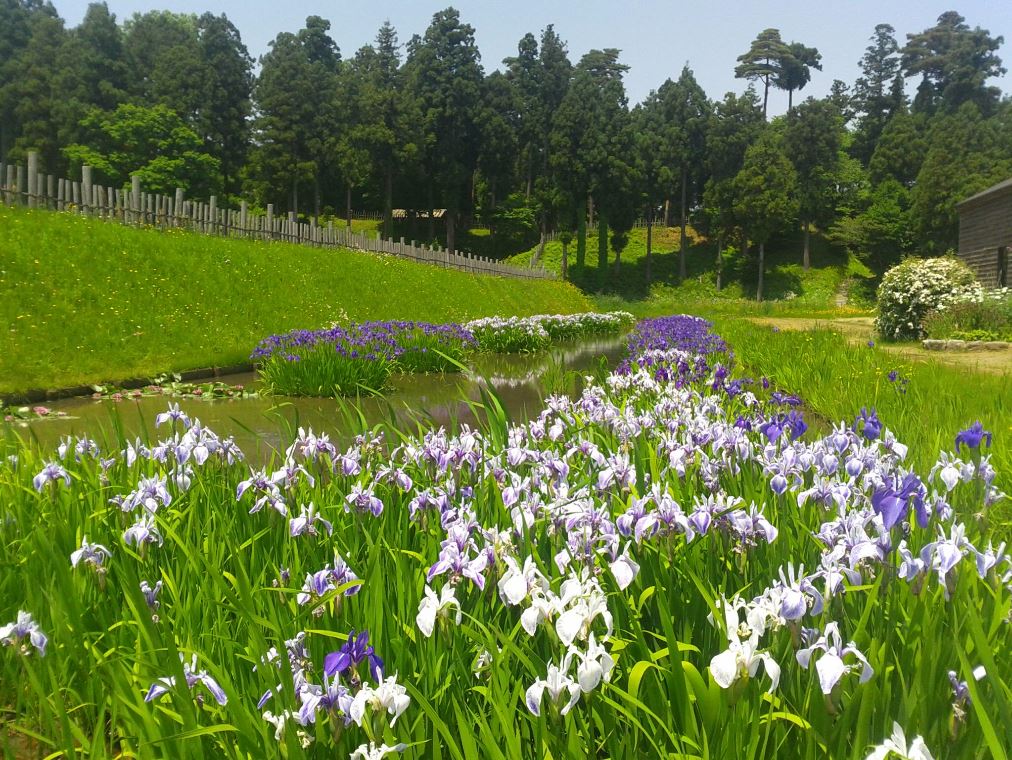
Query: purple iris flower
x=893, y=501
x=868, y=424
x=347, y=659
x=972, y=436
x=772, y=429
x=795, y=424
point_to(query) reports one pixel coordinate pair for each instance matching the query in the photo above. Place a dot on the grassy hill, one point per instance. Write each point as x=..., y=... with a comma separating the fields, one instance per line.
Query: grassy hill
x=833, y=275
x=89, y=301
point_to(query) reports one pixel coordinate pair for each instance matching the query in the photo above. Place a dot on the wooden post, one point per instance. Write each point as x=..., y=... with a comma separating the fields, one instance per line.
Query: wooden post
x=213, y=210
x=85, y=188
x=243, y=217
x=33, y=179
x=270, y=220
x=9, y=186
x=61, y=194
x=50, y=191
x=135, y=198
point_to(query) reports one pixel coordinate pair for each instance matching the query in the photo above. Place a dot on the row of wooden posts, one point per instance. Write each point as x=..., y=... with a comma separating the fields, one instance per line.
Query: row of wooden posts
x=25, y=185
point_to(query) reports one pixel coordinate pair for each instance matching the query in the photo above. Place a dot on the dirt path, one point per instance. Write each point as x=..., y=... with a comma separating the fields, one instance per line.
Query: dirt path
x=862, y=329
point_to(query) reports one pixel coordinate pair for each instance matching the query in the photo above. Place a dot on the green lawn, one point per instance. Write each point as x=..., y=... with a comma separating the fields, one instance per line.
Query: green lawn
x=89, y=301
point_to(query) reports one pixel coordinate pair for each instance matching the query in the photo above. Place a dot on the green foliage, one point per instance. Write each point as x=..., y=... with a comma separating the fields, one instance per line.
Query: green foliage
x=915, y=288
x=967, y=154
x=955, y=62
x=989, y=318
x=136, y=303
x=900, y=149
x=765, y=188
x=763, y=61
x=153, y=143
x=812, y=139
x=292, y=150
x=880, y=233
x=878, y=92
x=446, y=77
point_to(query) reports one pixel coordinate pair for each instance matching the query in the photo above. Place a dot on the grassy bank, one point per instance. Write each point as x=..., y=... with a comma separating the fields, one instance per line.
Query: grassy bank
x=89, y=301
x=833, y=275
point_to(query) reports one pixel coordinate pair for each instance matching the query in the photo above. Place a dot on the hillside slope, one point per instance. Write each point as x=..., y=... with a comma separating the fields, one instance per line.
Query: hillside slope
x=832, y=277
x=88, y=301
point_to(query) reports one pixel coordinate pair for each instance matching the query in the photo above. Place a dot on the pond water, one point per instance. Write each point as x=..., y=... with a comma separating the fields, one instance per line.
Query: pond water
x=262, y=425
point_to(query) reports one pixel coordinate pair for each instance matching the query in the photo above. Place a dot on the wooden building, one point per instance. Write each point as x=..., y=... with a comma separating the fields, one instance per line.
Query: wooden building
x=985, y=234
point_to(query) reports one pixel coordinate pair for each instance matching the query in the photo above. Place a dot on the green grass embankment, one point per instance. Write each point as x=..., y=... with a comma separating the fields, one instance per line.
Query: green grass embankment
x=89, y=301
x=789, y=289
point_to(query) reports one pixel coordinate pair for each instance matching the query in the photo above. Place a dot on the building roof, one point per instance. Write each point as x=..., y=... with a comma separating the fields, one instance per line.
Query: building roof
x=1000, y=189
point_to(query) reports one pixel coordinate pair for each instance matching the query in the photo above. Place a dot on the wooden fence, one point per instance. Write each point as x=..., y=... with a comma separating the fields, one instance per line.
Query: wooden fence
x=25, y=185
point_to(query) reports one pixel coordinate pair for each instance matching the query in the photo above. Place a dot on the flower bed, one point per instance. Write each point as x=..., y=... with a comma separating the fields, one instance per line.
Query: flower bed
x=669, y=562
x=360, y=357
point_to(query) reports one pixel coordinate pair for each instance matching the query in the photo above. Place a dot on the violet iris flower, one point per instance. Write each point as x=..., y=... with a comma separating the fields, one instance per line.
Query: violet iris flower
x=868, y=424
x=972, y=436
x=893, y=500
x=347, y=659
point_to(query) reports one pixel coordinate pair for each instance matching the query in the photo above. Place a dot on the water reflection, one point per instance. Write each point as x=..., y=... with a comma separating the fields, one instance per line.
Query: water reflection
x=262, y=425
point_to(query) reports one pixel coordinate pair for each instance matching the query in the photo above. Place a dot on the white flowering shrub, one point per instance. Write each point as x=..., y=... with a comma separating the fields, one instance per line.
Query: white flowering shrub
x=917, y=287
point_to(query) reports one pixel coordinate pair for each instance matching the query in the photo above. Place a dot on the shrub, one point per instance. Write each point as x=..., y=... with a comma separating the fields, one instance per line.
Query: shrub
x=990, y=315
x=916, y=287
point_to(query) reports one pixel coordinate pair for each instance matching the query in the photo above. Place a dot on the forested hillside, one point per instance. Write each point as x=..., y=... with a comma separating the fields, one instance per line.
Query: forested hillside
x=549, y=144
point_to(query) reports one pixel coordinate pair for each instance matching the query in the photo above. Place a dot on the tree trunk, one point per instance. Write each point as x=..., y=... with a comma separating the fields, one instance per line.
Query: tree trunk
x=602, y=250
x=667, y=212
x=581, y=240
x=790, y=100
x=720, y=257
x=347, y=206
x=451, y=230
x=806, y=259
x=388, y=203
x=540, y=251
x=650, y=244
x=762, y=267
x=432, y=219
x=766, y=94
x=316, y=199
x=565, y=260
x=681, y=245
x=590, y=210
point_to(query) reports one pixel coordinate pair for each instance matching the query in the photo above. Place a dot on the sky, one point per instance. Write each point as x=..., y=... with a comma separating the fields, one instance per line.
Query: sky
x=657, y=38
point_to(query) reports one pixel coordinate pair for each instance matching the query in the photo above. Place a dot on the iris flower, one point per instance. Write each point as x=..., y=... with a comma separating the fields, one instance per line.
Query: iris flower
x=973, y=436
x=24, y=627
x=831, y=667
x=162, y=686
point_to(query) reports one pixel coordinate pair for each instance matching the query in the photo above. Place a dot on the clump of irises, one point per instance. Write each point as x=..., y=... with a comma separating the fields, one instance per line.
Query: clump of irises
x=358, y=358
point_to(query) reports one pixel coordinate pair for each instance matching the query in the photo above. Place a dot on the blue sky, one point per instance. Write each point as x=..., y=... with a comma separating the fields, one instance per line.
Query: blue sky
x=656, y=38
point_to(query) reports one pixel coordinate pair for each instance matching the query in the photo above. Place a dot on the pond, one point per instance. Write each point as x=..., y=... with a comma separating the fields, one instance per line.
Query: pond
x=261, y=425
